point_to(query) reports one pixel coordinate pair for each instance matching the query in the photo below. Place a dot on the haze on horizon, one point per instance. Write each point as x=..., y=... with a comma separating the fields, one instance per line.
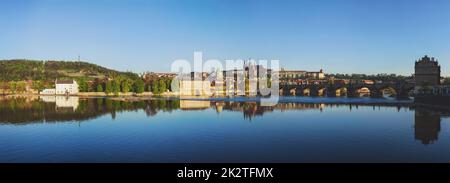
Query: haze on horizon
x=340, y=36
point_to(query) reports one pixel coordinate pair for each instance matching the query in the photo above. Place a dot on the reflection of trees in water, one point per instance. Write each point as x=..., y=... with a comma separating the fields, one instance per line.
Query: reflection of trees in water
x=22, y=110
x=152, y=107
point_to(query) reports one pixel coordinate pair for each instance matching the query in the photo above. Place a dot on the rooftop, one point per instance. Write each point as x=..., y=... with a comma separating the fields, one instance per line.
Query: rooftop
x=64, y=82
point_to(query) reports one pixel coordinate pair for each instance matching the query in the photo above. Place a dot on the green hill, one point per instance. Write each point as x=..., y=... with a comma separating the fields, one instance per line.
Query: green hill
x=16, y=70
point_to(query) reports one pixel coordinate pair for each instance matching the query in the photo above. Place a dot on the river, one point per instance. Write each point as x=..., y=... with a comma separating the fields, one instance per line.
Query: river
x=72, y=129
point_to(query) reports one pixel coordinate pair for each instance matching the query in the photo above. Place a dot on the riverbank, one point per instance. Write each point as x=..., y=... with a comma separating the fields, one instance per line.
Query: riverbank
x=129, y=96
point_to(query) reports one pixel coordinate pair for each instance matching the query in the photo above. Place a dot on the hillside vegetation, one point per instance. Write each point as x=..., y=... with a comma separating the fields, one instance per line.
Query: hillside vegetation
x=15, y=77
x=17, y=70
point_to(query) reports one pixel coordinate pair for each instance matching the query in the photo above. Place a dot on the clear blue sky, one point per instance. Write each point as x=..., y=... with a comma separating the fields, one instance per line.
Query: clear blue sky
x=346, y=36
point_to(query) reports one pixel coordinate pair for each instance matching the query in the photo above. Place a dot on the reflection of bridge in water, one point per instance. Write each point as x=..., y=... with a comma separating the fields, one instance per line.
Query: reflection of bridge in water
x=427, y=122
x=253, y=109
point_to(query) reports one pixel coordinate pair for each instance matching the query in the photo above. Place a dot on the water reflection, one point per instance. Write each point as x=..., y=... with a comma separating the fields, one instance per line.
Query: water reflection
x=427, y=124
x=26, y=110
x=194, y=105
x=62, y=102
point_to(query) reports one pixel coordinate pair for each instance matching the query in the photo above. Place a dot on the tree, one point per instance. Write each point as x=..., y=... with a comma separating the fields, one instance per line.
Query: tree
x=99, y=88
x=116, y=87
x=4, y=86
x=108, y=87
x=82, y=85
x=38, y=85
x=168, y=83
x=126, y=86
x=13, y=86
x=447, y=81
x=21, y=86
x=139, y=86
x=148, y=87
x=155, y=87
x=162, y=86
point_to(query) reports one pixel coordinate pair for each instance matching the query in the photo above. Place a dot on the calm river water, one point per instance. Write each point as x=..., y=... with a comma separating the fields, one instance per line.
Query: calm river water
x=61, y=129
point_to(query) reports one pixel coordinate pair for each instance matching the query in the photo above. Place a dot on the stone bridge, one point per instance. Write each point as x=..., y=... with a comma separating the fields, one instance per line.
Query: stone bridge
x=401, y=90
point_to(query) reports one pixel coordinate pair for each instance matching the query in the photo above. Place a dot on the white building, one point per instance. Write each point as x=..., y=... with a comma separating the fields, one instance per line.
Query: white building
x=48, y=92
x=193, y=87
x=64, y=87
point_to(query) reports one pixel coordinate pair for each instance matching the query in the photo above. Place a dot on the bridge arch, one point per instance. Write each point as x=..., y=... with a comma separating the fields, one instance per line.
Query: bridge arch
x=349, y=90
x=341, y=91
x=322, y=91
x=363, y=91
x=387, y=91
x=284, y=91
x=306, y=91
x=293, y=91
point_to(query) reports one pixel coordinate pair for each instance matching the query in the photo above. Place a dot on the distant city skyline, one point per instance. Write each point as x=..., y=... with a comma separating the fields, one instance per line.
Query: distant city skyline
x=339, y=36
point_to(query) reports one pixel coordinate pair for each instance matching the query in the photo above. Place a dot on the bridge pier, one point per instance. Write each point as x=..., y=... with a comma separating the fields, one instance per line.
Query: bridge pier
x=374, y=93
x=402, y=94
x=331, y=91
x=351, y=92
x=313, y=91
x=286, y=92
x=298, y=91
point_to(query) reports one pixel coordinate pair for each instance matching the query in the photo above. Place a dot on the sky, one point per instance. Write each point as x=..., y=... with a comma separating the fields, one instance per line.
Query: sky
x=338, y=36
